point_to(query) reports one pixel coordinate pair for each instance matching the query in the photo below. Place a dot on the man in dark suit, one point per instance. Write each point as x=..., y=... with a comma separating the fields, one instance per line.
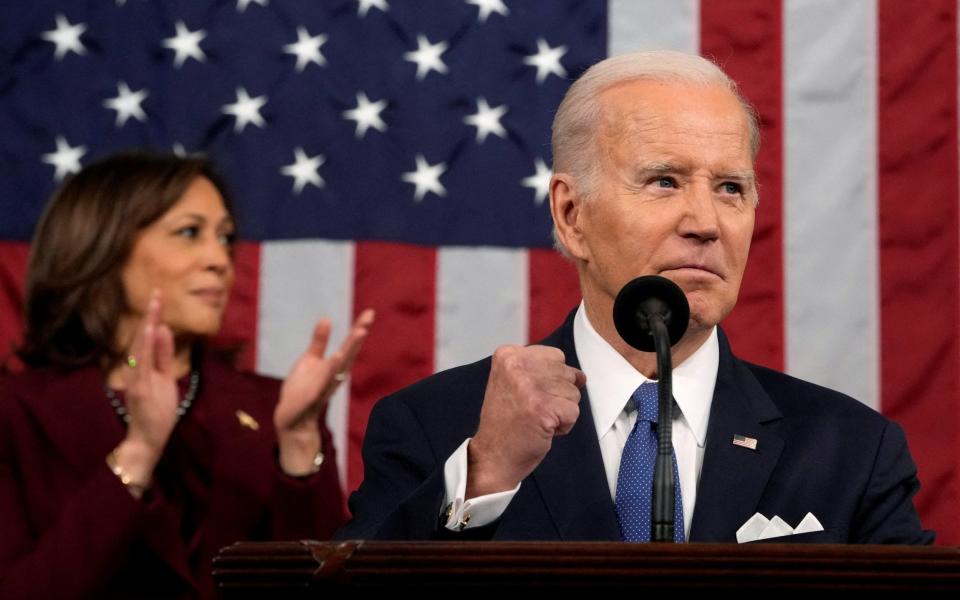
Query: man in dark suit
x=653, y=174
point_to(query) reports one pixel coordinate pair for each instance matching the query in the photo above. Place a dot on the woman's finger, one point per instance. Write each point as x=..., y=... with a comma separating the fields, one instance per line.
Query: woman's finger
x=351, y=346
x=163, y=349
x=137, y=355
x=320, y=338
x=145, y=356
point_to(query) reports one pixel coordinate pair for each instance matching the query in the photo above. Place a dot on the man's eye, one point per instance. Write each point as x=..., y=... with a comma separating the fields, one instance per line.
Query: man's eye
x=665, y=182
x=731, y=188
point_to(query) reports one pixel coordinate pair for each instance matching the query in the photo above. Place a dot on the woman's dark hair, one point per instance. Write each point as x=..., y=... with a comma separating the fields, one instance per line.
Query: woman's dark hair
x=74, y=293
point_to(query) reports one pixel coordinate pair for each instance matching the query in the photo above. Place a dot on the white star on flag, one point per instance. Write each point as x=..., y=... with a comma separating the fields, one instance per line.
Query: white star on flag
x=246, y=110
x=364, y=6
x=127, y=104
x=486, y=7
x=539, y=181
x=65, y=159
x=427, y=56
x=307, y=49
x=547, y=60
x=487, y=120
x=186, y=44
x=243, y=4
x=304, y=170
x=366, y=114
x=426, y=178
x=66, y=37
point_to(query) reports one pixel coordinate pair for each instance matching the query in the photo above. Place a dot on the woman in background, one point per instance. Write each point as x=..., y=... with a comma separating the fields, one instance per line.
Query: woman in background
x=129, y=455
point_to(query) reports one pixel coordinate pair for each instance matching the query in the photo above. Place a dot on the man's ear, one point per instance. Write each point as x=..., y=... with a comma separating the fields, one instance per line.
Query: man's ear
x=566, y=205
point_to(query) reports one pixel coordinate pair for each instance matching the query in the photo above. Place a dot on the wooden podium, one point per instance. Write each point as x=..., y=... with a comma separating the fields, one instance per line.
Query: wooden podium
x=311, y=569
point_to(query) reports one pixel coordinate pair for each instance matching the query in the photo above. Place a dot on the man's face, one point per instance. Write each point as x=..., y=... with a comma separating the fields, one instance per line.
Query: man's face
x=674, y=196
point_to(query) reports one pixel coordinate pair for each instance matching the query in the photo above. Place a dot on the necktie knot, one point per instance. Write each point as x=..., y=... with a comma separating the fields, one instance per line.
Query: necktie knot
x=645, y=401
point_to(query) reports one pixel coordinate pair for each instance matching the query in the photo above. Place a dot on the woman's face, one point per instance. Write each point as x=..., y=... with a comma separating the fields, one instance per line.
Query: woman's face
x=186, y=254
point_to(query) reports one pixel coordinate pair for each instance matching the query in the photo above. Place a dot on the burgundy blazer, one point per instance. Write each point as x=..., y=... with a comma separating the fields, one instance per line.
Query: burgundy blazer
x=70, y=529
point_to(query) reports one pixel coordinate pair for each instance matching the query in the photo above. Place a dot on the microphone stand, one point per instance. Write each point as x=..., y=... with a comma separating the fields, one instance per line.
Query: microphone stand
x=664, y=485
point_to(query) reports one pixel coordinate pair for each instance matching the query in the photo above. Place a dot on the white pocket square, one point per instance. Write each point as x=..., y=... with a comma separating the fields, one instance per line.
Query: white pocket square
x=758, y=527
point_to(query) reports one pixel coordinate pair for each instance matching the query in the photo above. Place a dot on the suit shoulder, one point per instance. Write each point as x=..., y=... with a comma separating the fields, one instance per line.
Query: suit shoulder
x=798, y=397
x=447, y=394
x=19, y=388
x=34, y=377
x=32, y=385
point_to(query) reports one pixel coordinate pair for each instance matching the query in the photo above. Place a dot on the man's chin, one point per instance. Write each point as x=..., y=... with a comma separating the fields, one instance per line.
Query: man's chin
x=703, y=318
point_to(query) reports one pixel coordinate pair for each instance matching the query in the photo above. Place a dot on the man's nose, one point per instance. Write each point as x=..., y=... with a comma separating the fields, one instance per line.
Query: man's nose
x=700, y=219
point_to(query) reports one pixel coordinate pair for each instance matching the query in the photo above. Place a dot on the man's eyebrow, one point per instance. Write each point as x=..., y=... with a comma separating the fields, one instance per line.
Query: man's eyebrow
x=747, y=175
x=661, y=167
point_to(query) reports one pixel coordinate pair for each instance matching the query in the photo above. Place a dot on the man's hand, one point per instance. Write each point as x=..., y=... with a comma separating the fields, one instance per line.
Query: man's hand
x=532, y=396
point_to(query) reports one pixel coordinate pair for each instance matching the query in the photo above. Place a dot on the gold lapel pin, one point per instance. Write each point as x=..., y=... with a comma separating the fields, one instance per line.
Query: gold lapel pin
x=247, y=421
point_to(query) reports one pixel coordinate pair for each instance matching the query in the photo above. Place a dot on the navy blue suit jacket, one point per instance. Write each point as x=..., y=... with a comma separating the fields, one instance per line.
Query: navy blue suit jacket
x=818, y=451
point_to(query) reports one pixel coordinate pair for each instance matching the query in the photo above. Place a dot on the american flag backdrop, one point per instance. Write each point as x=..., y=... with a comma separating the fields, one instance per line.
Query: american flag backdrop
x=395, y=154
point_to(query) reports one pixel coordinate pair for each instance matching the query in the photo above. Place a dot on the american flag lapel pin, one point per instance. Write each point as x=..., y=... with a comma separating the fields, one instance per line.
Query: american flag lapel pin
x=746, y=442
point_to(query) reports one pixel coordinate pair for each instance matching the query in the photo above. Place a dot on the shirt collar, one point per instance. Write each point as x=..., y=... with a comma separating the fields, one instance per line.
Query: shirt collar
x=611, y=379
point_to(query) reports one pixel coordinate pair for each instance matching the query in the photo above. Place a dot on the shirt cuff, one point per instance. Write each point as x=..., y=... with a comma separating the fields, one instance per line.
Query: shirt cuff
x=459, y=514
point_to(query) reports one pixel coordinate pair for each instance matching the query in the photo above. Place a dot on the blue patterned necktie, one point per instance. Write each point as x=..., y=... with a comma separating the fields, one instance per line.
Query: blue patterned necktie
x=635, y=479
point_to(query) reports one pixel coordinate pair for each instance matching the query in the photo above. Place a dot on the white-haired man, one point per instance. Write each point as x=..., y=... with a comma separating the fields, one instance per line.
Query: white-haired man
x=653, y=159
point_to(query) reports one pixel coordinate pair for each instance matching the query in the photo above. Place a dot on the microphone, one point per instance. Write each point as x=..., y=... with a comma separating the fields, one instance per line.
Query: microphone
x=651, y=313
x=644, y=298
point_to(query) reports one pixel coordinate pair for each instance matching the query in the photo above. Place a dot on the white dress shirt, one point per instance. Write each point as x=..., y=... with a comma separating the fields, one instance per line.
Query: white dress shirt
x=611, y=380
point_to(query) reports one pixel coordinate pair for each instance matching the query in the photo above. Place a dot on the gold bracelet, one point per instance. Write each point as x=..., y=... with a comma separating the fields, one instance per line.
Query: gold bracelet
x=125, y=479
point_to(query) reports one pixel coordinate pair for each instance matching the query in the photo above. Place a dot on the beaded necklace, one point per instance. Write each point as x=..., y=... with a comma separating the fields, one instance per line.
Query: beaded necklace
x=192, y=386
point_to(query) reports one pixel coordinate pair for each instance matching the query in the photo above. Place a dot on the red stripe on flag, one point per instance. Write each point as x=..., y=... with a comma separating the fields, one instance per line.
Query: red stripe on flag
x=13, y=275
x=554, y=291
x=745, y=38
x=399, y=282
x=240, y=320
x=918, y=181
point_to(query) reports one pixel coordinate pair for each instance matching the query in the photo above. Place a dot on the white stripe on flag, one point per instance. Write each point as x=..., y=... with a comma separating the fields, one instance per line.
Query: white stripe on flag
x=830, y=195
x=301, y=281
x=482, y=302
x=653, y=25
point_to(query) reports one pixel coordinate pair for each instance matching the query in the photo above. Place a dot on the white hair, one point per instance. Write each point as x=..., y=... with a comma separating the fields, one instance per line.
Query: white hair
x=578, y=116
x=577, y=120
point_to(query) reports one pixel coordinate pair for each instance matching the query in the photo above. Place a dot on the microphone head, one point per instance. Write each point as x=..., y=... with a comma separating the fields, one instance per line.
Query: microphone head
x=646, y=296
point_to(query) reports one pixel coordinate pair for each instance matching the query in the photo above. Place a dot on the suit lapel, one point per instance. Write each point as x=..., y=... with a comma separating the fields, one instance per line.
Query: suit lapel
x=733, y=478
x=244, y=464
x=571, y=477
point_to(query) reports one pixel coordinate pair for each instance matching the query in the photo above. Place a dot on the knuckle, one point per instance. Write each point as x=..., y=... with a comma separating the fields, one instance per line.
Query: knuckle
x=549, y=423
x=550, y=353
x=503, y=353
